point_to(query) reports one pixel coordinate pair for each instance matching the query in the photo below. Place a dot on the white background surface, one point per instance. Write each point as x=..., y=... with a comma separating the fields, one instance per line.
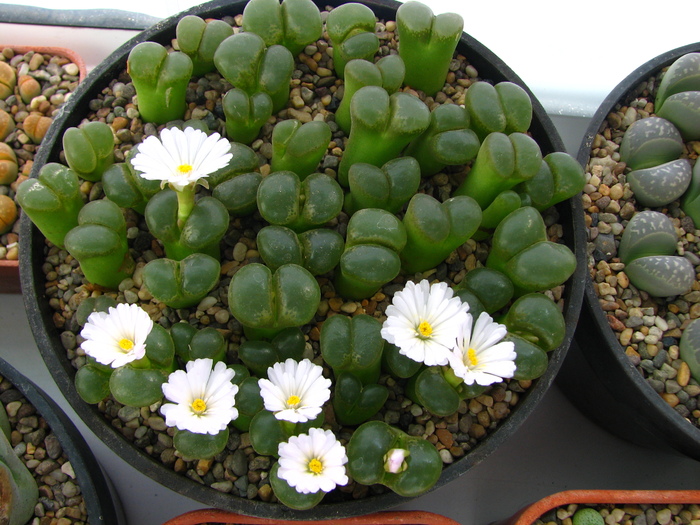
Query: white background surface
x=571, y=55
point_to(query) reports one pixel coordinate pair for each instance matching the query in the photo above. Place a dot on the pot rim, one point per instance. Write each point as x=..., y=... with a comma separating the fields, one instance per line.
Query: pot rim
x=66, y=52
x=669, y=425
x=101, y=500
x=530, y=513
x=405, y=517
x=46, y=335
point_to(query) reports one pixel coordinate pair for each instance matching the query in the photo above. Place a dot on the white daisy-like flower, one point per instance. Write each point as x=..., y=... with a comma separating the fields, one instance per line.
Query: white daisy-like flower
x=312, y=462
x=181, y=158
x=202, y=398
x=118, y=336
x=295, y=391
x=424, y=320
x=480, y=356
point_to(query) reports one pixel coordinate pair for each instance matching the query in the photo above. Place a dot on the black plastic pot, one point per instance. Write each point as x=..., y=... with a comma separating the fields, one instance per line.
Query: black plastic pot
x=47, y=336
x=101, y=499
x=597, y=375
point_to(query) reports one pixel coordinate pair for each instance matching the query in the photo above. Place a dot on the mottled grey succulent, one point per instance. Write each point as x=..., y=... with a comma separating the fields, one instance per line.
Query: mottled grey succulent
x=649, y=142
x=690, y=347
x=648, y=250
x=682, y=75
x=690, y=202
x=662, y=184
x=683, y=110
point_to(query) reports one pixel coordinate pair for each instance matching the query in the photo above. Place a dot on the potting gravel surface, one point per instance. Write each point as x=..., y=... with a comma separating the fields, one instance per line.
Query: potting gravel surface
x=630, y=514
x=60, y=499
x=314, y=96
x=58, y=77
x=648, y=328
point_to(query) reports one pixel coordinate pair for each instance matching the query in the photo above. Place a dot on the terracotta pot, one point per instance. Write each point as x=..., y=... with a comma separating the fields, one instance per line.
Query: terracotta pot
x=47, y=335
x=214, y=516
x=597, y=375
x=9, y=270
x=531, y=513
x=101, y=500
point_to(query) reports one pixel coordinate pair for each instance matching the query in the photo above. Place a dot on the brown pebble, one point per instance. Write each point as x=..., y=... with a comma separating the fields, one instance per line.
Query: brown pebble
x=615, y=323
x=445, y=437
x=671, y=399
x=683, y=376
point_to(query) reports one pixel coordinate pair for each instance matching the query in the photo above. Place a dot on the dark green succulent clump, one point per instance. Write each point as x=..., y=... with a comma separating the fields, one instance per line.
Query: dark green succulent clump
x=355, y=230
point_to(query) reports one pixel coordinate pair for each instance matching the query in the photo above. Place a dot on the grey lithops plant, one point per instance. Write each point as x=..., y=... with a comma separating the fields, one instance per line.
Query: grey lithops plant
x=683, y=110
x=690, y=202
x=648, y=250
x=682, y=75
x=649, y=142
x=690, y=347
x=662, y=184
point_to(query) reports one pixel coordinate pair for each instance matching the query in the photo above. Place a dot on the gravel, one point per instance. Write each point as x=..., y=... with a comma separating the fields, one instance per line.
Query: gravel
x=60, y=500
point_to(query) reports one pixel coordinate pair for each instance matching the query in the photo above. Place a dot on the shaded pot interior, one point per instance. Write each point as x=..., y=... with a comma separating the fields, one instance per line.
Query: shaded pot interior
x=101, y=500
x=47, y=336
x=597, y=375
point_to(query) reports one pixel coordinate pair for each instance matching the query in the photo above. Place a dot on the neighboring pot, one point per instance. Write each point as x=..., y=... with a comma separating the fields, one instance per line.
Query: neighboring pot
x=597, y=375
x=9, y=269
x=47, y=336
x=529, y=514
x=214, y=516
x=101, y=500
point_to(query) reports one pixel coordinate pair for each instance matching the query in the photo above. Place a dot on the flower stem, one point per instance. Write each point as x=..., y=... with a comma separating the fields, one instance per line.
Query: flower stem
x=185, y=204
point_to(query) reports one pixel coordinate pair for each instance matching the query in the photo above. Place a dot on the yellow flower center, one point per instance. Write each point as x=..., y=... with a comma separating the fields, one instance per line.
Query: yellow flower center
x=425, y=329
x=293, y=401
x=184, y=169
x=471, y=356
x=315, y=466
x=199, y=406
x=126, y=344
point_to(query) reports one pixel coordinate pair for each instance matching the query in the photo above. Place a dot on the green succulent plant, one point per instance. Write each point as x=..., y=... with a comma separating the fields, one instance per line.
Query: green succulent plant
x=426, y=44
x=522, y=252
x=350, y=29
x=267, y=302
x=292, y=23
x=447, y=141
x=199, y=38
x=89, y=149
x=383, y=125
x=19, y=489
x=371, y=257
x=434, y=229
x=501, y=108
x=388, y=72
x=389, y=187
x=300, y=205
x=52, y=201
x=161, y=80
x=299, y=147
x=181, y=283
x=99, y=243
